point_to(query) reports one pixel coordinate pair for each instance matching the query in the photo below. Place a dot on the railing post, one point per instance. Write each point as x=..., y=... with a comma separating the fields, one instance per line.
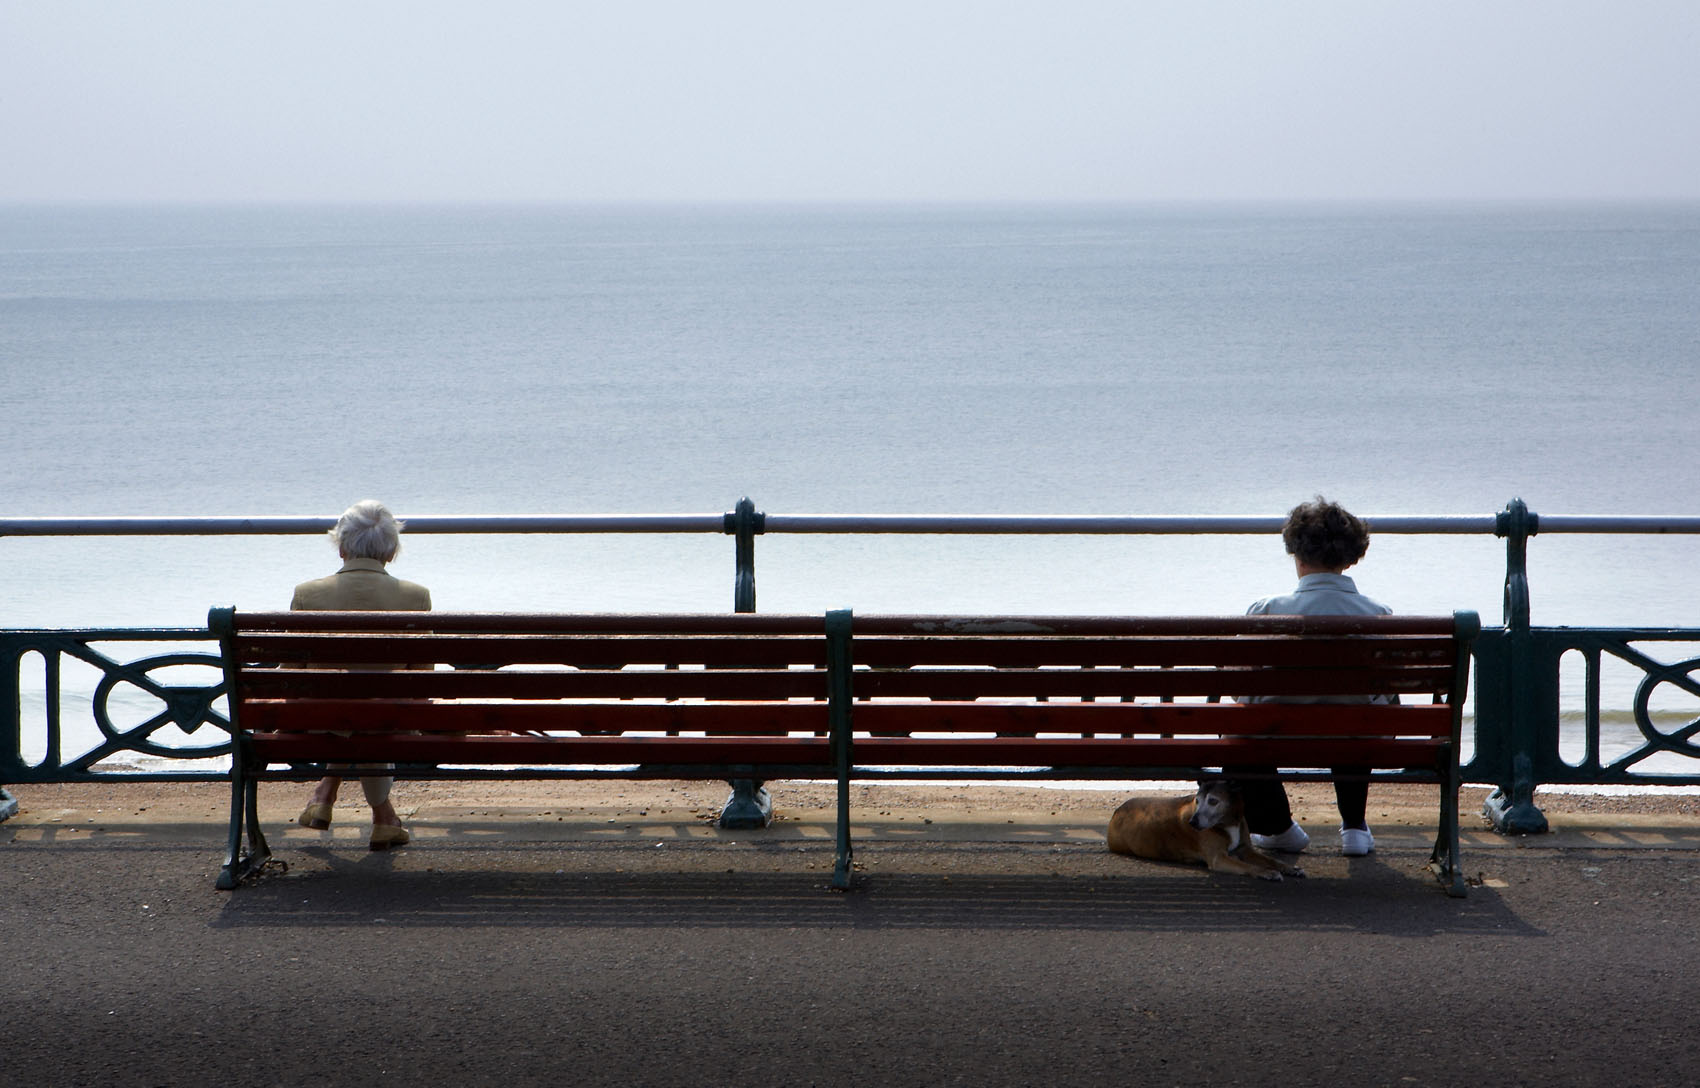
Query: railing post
x=750, y=804
x=840, y=668
x=744, y=522
x=1511, y=807
x=11, y=725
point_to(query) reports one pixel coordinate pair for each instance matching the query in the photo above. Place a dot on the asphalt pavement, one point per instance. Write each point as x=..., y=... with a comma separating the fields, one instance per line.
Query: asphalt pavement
x=633, y=943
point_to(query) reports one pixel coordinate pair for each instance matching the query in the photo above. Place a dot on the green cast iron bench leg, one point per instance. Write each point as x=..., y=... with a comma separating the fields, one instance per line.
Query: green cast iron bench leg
x=840, y=699
x=1444, y=861
x=244, y=807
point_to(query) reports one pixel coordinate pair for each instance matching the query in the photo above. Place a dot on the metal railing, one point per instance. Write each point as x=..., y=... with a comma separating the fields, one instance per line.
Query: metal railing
x=1518, y=744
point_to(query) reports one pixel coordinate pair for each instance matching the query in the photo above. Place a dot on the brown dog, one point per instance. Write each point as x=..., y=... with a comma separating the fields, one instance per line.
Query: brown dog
x=1207, y=827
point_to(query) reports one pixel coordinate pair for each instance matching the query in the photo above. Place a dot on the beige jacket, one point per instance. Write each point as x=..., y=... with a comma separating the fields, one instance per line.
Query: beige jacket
x=362, y=585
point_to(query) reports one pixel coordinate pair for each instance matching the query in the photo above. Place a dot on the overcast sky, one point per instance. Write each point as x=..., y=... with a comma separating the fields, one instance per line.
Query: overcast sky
x=807, y=100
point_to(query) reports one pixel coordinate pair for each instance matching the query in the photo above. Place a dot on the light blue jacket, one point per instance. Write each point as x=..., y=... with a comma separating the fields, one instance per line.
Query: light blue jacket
x=1321, y=595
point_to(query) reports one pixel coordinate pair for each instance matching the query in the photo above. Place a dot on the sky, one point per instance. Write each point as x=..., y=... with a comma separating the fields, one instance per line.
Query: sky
x=921, y=100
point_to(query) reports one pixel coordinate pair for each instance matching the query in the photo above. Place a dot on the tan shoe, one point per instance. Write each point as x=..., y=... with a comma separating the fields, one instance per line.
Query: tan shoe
x=316, y=817
x=385, y=836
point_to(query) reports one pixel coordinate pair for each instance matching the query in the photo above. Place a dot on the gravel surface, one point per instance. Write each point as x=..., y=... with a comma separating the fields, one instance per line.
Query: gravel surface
x=701, y=801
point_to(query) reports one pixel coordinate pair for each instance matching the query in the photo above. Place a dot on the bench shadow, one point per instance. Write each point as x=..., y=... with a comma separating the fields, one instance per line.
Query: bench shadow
x=491, y=891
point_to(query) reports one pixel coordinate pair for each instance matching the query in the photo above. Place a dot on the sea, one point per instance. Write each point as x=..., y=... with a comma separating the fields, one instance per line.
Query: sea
x=185, y=360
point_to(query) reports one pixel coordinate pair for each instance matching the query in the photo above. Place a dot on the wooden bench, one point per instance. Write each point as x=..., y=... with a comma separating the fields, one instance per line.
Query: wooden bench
x=1155, y=698
x=469, y=696
x=842, y=698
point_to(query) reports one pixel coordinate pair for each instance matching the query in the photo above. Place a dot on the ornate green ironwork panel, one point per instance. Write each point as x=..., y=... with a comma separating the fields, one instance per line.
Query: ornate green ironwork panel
x=101, y=713
x=1523, y=709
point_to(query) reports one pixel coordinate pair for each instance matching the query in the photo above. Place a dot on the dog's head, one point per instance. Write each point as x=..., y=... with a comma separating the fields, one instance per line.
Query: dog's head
x=1218, y=804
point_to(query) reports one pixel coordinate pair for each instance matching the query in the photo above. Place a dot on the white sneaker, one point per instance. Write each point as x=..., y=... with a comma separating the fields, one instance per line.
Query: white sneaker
x=1355, y=842
x=1290, y=841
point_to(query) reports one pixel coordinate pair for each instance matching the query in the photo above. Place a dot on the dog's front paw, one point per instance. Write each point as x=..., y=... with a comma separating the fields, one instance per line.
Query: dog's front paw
x=1269, y=875
x=1296, y=873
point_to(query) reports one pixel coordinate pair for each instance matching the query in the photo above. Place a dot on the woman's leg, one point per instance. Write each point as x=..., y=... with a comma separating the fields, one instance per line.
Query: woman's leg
x=325, y=792
x=377, y=790
x=1267, y=811
x=317, y=814
x=1352, y=799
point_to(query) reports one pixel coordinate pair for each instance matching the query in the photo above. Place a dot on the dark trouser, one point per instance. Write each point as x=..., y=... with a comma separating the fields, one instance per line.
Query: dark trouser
x=1267, y=811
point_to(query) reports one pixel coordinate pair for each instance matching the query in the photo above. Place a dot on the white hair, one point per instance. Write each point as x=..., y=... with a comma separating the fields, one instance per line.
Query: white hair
x=367, y=530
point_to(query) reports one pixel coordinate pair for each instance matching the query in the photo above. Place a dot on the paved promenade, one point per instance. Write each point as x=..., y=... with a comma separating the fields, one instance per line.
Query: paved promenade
x=608, y=934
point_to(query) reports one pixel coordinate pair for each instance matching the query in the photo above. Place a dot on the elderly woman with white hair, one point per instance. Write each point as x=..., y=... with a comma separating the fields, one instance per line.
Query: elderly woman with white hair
x=367, y=537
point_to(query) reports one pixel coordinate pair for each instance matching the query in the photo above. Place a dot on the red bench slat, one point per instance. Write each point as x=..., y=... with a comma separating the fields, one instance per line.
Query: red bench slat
x=882, y=652
x=370, y=716
x=549, y=623
x=811, y=683
x=1152, y=683
x=585, y=651
x=1167, y=627
x=1233, y=722
x=1147, y=752
x=517, y=751
x=730, y=684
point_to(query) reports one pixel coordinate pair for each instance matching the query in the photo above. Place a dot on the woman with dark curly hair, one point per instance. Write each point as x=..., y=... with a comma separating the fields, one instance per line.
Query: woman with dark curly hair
x=1324, y=539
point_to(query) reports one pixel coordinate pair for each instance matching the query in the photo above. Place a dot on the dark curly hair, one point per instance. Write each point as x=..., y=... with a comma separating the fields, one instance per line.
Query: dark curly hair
x=1325, y=535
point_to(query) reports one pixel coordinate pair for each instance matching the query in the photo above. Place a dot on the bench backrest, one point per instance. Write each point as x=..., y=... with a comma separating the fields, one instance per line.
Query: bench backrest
x=1295, y=657
x=366, y=673
x=1026, y=691
x=1287, y=690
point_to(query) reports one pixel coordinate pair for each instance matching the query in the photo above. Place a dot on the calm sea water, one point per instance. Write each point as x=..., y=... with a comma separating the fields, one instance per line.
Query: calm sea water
x=254, y=360
x=1115, y=360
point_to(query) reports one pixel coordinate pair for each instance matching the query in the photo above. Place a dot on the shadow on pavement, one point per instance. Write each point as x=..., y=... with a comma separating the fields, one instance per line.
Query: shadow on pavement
x=374, y=890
